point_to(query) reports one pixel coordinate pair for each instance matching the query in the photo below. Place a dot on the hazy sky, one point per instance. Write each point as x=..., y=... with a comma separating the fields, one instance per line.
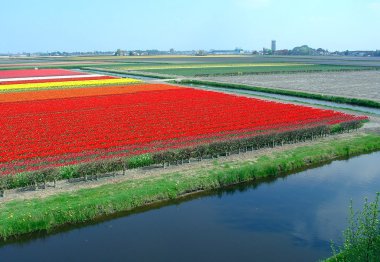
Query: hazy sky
x=88, y=25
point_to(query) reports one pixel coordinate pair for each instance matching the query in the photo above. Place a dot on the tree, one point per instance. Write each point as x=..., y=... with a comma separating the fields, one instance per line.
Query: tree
x=303, y=50
x=201, y=53
x=267, y=51
x=119, y=52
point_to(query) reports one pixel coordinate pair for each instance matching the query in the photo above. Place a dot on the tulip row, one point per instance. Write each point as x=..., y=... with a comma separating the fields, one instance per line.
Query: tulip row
x=65, y=84
x=37, y=73
x=30, y=80
x=81, y=92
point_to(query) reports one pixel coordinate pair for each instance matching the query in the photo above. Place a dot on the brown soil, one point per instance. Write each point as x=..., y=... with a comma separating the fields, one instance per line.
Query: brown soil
x=358, y=84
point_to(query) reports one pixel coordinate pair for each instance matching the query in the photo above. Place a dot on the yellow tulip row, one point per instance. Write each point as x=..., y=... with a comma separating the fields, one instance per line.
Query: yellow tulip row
x=84, y=83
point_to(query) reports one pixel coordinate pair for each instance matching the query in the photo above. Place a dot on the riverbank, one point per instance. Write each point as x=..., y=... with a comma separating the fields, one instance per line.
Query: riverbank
x=359, y=252
x=362, y=236
x=43, y=214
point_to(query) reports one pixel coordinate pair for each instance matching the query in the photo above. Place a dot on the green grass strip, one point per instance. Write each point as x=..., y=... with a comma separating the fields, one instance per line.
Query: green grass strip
x=21, y=217
x=336, y=99
x=127, y=73
x=254, y=70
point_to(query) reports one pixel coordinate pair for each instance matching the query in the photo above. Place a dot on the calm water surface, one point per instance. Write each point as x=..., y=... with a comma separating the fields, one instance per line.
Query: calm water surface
x=288, y=219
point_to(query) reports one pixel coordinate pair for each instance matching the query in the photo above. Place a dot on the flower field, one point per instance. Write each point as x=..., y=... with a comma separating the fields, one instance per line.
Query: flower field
x=50, y=79
x=6, y=74
x=78, y=83
x=80, y=92
x=117, y=118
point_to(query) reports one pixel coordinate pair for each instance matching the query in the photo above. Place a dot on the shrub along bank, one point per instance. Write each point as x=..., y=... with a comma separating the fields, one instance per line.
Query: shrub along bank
x=362, y=236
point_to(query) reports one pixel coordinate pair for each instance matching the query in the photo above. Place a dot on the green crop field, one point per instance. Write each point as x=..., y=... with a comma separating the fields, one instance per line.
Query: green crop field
x=259, y=69
x=193, y=65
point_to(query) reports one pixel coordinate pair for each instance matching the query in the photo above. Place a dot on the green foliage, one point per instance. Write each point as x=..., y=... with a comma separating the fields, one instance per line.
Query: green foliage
x=128, y=73
x=31, y=178
x=254, y=70
x=83, y=170
x=257, y=141
x=362, y=236
x=4, y=182
x=336, y=129
x=303, y=50
x=140, y=161
x=68, y=172
x=18, y=180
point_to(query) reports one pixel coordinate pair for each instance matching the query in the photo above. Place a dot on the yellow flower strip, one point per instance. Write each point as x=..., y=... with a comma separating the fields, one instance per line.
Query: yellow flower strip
x=84, y=83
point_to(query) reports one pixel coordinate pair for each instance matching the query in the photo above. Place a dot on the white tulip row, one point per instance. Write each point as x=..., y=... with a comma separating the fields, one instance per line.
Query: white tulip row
x=48, y=77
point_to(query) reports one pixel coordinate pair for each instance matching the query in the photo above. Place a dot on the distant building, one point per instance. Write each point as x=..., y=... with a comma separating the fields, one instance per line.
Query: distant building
x=237, y=51
x=200, y=53
x=273, y=46
x=266, y=51
x=120, y=52
x=282, y=52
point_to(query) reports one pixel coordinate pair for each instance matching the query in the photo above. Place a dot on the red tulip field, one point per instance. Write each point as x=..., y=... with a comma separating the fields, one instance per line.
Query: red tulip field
x=46, y=128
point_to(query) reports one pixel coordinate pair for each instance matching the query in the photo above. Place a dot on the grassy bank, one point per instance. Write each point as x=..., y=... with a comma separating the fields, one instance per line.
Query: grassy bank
x=362, y=252
x=128, y=73
x=336, y=99
x=21, y=217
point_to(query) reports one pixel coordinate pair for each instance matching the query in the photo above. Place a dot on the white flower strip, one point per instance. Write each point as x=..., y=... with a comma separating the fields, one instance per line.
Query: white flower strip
x=48, y=77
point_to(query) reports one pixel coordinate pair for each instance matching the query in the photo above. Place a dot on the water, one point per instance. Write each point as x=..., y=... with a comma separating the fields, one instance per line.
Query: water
x=285, y=219
x=292, y=99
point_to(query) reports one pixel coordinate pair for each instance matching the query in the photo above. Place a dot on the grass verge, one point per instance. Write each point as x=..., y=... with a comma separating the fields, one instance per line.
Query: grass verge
x=336, y=99
x=127, y=73
x=43, y=214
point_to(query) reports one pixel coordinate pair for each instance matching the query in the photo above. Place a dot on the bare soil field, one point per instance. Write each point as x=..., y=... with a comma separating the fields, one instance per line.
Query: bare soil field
x=363, y=84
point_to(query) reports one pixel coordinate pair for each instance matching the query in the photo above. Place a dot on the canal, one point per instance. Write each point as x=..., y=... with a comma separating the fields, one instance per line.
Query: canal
x=292, y=218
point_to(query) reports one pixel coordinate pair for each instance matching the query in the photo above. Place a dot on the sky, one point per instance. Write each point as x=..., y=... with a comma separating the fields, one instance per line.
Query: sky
x=89, y=25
